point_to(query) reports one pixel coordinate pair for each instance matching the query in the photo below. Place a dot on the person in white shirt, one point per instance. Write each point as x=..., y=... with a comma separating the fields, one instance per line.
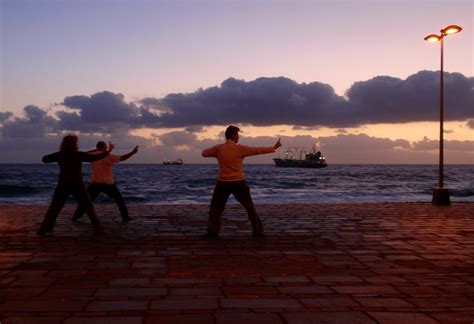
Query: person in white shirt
x=102, y=180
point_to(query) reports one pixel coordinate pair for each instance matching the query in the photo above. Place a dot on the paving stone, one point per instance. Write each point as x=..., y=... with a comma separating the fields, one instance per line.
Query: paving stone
x=105, y=320
x=247, y=317
x=116, y=305
x=180, y=319
x=195, y=291
x=131, y=292
x=259, y=303
x=383, y=302
x=329, y=302
x=32, y=320
x=328, y=318
x=184, y=304
x=365, y=290
x=304, y=290
x=249, y=291
x=396, y=318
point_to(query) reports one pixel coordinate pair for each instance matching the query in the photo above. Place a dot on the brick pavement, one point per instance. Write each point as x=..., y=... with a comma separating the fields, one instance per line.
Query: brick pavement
x=346, y=263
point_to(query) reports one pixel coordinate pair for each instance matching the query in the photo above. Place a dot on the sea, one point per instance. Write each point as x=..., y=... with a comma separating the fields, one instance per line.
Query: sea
x=194, y=183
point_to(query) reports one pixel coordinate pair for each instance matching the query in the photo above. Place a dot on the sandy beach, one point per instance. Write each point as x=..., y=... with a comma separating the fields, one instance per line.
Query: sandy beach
x=345, y=263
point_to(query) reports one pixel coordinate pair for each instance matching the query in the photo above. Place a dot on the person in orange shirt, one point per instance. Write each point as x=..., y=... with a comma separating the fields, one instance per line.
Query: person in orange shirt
x=231, y=180
x=102, y=180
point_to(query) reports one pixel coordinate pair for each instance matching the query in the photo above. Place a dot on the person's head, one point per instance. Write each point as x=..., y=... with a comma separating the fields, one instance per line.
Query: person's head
x=232, y=132
x=101, y=146
x=69, y=143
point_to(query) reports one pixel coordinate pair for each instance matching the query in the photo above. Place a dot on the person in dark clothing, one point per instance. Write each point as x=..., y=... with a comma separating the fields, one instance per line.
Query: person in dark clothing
x=102, y=180
x=70, y=182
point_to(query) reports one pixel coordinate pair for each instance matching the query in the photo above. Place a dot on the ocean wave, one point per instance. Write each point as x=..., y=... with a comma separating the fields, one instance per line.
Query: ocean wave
x=462, y=192
x=11, y=190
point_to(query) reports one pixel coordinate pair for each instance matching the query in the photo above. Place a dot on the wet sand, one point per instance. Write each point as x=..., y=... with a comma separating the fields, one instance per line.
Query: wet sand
x=347, y=263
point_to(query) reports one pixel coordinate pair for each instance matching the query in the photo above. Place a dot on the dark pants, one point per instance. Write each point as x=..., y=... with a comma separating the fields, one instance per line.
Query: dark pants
x=112, y=191
x=60, y=196
x=241, y=192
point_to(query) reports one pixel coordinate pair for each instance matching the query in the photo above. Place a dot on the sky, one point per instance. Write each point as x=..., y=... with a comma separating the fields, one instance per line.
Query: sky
x=353, y=77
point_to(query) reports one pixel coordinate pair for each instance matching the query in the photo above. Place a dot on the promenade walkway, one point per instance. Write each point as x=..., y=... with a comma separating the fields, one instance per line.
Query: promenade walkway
x=345, y=263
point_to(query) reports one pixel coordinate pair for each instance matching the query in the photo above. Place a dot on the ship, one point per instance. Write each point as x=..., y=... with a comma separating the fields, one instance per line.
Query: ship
x=312, y=159
x=175, y=162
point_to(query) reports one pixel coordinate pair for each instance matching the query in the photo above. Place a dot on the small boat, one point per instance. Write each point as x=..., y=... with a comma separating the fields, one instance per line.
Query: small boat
x=312, y=159
x=175, y=162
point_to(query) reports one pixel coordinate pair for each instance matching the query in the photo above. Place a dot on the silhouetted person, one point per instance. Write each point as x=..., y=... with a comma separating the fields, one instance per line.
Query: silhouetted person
x=102, y=180
x=70, y=182
x=231, y=180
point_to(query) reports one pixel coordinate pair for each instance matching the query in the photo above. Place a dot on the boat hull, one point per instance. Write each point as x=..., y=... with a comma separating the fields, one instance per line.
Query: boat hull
x=287, y=163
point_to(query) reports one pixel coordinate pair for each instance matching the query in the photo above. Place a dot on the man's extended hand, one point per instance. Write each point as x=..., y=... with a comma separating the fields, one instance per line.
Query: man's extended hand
x=277, y=144
x=111, y=147
x=135, y=149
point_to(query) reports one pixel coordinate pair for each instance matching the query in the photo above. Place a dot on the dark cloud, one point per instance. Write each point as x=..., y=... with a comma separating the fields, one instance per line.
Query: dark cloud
x=262, y=102
x=35, y=123
x=470, y=123
x=194, y=129
x=275, y=101
x=177, y=138
x=386, y=99
x=453, y=145
x=104, y=112
x=361, y=142
x=4, y=116
x=341, y=131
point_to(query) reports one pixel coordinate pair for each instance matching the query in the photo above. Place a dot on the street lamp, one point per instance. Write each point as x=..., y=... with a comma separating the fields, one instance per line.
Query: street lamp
x=441, y=195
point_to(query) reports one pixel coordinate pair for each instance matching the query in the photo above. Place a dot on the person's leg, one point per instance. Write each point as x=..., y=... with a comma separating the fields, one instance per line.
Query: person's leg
x=83, y=197
x=61, y=193
x=113, y=192
x=219, y=199
x=94, y=190
x=241, y=192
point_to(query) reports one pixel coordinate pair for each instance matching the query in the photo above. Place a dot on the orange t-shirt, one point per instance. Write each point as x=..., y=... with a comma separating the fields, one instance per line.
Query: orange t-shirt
x=102, y=169
x=230, y=156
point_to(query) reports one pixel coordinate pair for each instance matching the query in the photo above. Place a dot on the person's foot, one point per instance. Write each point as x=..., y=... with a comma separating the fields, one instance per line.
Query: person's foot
x=258, y=235
x=209, y=236
x=42, y=231
x=126, y=219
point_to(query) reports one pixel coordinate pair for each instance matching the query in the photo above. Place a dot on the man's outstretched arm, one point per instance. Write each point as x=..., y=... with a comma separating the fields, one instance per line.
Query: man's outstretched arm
x=129, y=154
x=249, y=151
x=210, y=152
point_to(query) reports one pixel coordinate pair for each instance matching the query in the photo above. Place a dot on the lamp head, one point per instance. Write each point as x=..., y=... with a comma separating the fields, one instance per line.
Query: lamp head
x=451, y=29
x=432, y=38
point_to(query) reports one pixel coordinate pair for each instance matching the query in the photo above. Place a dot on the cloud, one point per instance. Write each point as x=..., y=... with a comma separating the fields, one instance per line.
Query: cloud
x=35, y=123
x=281, y=101
x=4, y=116
x=194, y=129
x=454, y=145
x=177, y=138
x=470, y=123
x=386, y=99
x=103, y=112
x=261, y=102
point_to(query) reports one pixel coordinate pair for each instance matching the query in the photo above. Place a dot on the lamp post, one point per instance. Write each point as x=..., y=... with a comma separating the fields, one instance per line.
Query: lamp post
x=441, y=194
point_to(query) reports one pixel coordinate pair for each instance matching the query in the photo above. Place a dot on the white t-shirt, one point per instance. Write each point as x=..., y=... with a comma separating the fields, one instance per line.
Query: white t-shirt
x=102, y=169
